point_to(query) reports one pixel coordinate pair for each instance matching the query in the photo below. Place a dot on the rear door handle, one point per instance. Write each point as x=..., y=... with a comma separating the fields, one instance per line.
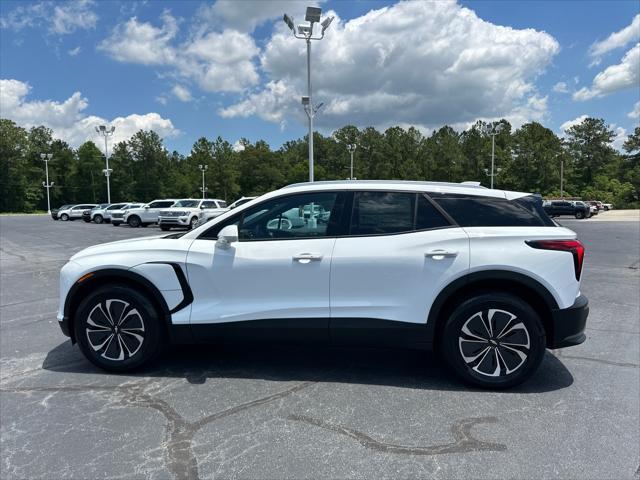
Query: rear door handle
x=440, y=254
x=308, y=257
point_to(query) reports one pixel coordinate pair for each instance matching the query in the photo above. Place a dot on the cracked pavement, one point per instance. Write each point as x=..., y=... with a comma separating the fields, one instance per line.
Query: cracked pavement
x=204, y=412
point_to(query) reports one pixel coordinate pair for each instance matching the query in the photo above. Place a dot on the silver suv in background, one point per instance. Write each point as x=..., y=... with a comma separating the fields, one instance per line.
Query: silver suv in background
x=186, y=213
x=99, y=215
x=147, y=214
x=117, y=216
x=210, y=215
x=74, y=212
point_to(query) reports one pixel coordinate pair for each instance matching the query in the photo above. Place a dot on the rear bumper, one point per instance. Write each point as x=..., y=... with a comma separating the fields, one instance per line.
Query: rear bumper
x=569, y=324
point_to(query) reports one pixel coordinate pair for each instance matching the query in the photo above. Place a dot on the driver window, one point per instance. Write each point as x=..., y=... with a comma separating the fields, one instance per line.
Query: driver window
x=297, y=216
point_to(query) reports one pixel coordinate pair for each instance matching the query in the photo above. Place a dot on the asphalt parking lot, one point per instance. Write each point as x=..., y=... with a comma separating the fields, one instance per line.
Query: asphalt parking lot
x=310, y=413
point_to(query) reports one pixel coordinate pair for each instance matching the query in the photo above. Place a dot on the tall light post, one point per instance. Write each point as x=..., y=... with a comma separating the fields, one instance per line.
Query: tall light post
x=46, y=157
x=305, y=32
x=106, y=132
x=203, y=168
x=493, y=130
x=486, y=172
x=561, y=176
x=352, y=149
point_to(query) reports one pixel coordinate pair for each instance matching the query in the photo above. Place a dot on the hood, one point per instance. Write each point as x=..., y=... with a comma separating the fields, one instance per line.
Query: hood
x=124, y=246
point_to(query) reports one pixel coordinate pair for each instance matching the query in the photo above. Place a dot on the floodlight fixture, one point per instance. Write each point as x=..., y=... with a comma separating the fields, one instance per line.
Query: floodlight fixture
x=304, y=29
x=289, y=21
x=313, y=14
x=325, y=23
x=305, y=100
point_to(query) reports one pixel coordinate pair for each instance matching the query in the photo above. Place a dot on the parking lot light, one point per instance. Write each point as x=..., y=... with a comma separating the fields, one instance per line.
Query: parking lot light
x=203, y=188
x=493, y=130
x=46, y=157
x=106, y=132
x=352, y=148
x=305, y=32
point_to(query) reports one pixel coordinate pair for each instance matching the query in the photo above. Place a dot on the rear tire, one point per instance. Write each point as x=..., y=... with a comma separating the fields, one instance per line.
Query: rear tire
x=118, y=329
x=134, y=221
x=98, y=219
x=494, y=340
x=579, y=215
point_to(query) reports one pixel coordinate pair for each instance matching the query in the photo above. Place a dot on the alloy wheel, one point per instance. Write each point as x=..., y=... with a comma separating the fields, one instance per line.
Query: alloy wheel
x=115, y=330
x=494, y=343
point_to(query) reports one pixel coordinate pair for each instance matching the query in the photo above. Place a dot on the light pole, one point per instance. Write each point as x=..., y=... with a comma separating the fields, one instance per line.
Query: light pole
x=493, y=130
x=46, y=157
x=352, y=149
x=561, y=177
x=486, y=172
x=203, y=168
x=106, y=132
x=305, y=32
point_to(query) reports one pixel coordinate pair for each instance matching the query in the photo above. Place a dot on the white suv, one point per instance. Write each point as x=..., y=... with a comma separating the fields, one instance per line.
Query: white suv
x=147, y=214
x=483, y=276
x=186, y=213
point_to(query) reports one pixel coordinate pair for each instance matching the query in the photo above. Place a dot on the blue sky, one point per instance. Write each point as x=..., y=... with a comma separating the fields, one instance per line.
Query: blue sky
x=188, y=69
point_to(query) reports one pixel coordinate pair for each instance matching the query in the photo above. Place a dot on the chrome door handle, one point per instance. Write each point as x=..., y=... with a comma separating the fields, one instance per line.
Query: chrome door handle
x=440, y=254
x=308, y=257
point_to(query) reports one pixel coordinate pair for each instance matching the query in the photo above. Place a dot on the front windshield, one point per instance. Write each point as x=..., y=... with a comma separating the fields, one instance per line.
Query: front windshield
x=187, y=203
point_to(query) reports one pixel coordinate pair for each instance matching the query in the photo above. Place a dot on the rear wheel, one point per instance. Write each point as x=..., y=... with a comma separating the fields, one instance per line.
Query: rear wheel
x=134, y=221
x=579, y=215
x=118, y=329
x=98, y=219
x=494, y=340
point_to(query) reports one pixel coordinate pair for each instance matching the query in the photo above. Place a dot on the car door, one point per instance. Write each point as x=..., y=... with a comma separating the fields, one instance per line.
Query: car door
x=400, y=252
x=150, y=214
x=274, y=280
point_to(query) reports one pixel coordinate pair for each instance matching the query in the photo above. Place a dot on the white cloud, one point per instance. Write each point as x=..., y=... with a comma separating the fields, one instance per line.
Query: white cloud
x=615, y=77
x=216, y=61
x=635, y=113
x=425, y=63
x=570, y=123
x=238, y=146
x=620, y=138
x=182, y=93
x=74, y=51
x=561, y=87
x=246, y=15
x=61, y=18
x=619, y=39
x=68, y=120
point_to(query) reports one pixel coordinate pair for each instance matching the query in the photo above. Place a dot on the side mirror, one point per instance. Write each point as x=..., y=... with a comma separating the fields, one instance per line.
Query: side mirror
x=202, y=207
x=227, y=236
x=146, y=207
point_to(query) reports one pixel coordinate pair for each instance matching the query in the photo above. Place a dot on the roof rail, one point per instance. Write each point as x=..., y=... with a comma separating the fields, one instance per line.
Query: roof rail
x=468, y=184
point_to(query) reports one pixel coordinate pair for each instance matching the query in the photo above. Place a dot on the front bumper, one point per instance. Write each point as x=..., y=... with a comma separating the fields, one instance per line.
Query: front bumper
x=568, y=324
x=175, y=221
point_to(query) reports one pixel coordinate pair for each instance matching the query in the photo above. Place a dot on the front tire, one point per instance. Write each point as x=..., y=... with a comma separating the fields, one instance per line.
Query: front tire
x=98, y=219
x=64, y=217
x=495, y=340
x=193, y=223
x=134, y=221
x=118, y=329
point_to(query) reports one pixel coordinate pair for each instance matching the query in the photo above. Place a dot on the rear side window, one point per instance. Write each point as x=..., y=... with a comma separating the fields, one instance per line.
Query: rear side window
x=209, y=204
x=161, y=204
x=479, y=211
x=376, y=213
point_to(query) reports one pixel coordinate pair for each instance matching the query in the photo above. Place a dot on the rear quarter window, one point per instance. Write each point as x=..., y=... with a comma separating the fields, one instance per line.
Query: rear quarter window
x=480, y=211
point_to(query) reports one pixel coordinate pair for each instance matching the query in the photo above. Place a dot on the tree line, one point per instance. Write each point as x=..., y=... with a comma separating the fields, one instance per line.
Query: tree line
x=528, y=158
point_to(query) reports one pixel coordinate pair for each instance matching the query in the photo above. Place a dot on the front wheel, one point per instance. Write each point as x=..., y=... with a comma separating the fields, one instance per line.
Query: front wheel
x=98, y=219
x=193, y=223
x=118, y=329
x=64, y=217
x=495, y=340
x=134, y=221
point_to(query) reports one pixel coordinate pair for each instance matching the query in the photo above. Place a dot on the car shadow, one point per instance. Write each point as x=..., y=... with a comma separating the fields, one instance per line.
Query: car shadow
x=370, y=366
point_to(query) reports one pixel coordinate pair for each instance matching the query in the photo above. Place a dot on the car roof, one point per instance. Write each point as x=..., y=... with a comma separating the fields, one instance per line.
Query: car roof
x=469, y=188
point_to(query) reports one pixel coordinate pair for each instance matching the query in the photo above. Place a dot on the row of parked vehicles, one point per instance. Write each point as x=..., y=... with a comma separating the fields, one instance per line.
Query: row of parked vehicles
x=167, y=213
x=576, y=208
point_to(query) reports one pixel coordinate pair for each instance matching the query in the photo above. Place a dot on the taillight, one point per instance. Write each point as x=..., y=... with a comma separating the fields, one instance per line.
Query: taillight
x=574, y=246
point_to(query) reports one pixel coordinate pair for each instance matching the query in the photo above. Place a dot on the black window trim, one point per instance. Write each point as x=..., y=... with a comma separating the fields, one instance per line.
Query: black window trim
x=345, y=220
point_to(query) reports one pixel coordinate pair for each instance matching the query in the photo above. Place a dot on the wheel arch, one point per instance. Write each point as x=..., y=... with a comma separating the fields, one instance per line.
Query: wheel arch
x=527, y=288
x=98, y=278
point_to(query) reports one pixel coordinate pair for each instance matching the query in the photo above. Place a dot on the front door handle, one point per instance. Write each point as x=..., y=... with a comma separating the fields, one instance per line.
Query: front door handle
x=440, y=254
x=307, y=257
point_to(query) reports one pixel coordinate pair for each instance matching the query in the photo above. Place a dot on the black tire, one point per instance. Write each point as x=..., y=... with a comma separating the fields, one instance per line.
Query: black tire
x=476, y=361
x=115, y=224
x=134, y=221
x=165, y=228
x=98, y=218
x=64, y=217
x=139, y=343
x=579, y=215
x=193, y=223
x=87, y=220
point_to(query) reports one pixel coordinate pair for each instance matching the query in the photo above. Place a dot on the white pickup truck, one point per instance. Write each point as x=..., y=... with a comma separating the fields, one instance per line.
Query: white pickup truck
x=186, y=213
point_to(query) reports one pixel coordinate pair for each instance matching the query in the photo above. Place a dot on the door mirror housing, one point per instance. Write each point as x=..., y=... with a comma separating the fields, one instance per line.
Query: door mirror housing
x=227, y=236
x=146, y=207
